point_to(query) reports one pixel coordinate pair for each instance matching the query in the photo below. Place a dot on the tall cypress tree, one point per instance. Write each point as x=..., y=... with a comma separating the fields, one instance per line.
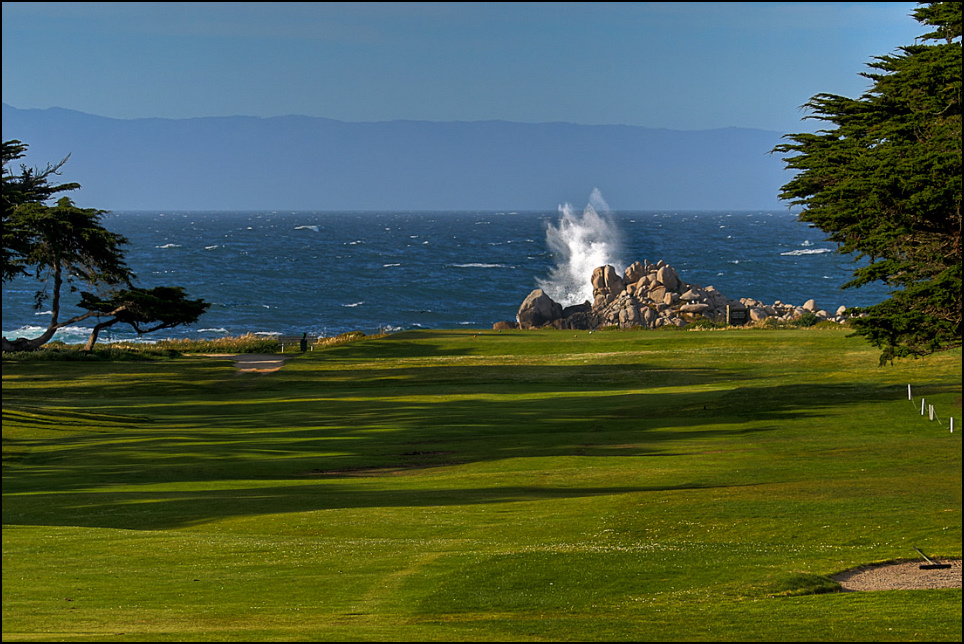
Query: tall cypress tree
x=884, y=181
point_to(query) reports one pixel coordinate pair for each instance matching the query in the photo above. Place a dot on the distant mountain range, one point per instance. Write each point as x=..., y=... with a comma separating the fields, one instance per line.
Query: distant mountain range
x=308, y=163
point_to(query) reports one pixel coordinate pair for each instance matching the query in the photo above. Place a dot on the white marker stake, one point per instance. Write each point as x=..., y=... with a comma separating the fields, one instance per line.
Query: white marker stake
x=952, y=424
x=930, y=411
x=921, y=406
x=909, y=397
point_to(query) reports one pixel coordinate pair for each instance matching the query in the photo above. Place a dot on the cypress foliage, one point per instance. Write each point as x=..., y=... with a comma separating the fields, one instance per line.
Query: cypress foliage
x=884, y=181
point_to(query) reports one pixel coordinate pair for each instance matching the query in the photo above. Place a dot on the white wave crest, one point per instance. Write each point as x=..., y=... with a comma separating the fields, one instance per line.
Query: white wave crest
x=808, y=251
x=67, y=334
x=478, y=265
x=579, y=244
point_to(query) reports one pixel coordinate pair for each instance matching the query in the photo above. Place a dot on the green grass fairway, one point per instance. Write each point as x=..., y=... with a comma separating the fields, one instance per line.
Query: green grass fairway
x=463, y=485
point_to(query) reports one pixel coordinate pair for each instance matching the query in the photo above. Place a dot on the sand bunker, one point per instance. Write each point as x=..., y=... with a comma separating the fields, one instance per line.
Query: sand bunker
x=254, y=362
x=900, y=576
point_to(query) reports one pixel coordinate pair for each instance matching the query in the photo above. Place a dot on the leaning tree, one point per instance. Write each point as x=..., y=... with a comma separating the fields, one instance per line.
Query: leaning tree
x=67, y=247
x=884, y=181
x=144, y=310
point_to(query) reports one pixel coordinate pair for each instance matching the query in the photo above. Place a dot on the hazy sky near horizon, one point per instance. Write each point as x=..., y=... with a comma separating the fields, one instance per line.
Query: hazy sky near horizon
x=685, y=66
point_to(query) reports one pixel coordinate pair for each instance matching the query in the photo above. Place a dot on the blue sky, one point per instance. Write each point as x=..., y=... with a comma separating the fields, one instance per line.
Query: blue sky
x=684, y=66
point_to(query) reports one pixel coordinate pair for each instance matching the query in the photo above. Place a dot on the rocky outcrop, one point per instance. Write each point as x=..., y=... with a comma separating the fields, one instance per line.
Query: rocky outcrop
x=654, y=295
x=538, y=310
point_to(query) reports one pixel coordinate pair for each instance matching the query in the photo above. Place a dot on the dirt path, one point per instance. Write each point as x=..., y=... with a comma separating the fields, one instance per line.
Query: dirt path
x=901, y=576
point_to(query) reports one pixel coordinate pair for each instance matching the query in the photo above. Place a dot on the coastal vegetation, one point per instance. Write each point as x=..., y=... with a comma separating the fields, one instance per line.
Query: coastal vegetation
x=884, y=181
x=174, y=347
x=621, y=485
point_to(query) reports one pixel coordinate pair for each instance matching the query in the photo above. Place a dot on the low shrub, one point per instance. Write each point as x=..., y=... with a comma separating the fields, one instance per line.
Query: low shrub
x=247, y=343
x=806, y=320
x=669, y=328
x=705, y=323
x=773, y=323
x=60, y=352
x=344, y=338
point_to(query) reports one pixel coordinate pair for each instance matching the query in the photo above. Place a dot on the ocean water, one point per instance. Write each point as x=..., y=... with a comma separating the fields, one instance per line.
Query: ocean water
x=331, y=272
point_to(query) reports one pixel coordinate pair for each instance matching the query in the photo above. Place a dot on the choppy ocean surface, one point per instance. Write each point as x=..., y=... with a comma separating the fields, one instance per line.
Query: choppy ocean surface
x=330, y=272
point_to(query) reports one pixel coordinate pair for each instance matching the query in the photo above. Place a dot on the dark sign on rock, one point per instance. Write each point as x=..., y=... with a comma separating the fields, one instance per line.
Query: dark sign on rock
x=737, y=315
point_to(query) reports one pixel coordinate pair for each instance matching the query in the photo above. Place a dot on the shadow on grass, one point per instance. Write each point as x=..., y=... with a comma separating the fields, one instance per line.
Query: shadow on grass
x=172, y=509
x=336, y=424
x=220, y=380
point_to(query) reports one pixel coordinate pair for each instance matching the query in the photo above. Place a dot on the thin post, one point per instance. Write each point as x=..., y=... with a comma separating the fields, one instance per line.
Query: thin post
x=921, y=406
x=930, y=409
x=909, y=397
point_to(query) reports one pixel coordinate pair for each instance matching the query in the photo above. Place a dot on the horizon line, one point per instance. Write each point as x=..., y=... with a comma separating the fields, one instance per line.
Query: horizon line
x=399, y=120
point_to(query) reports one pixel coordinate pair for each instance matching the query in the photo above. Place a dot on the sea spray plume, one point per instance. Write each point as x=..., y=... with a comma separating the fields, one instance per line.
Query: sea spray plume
x=579, y=244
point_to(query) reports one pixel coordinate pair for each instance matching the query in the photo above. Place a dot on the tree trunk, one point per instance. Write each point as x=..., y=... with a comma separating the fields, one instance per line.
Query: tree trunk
x=25, y=344
x=89, y=346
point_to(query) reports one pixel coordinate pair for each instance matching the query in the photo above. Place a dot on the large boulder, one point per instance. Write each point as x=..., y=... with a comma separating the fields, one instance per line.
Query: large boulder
x=538, y=310
x=649, y=315
x=667, y=276
x=634, y=272
x=657, y=293
x=606, y=280
x=758, y=313
x=695, y=307
x=577, y=321
x=629, y=316
x=691, y=296
x=578, y=317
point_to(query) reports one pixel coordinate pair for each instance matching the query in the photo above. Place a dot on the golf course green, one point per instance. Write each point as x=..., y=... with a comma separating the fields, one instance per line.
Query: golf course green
x=466, y=485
